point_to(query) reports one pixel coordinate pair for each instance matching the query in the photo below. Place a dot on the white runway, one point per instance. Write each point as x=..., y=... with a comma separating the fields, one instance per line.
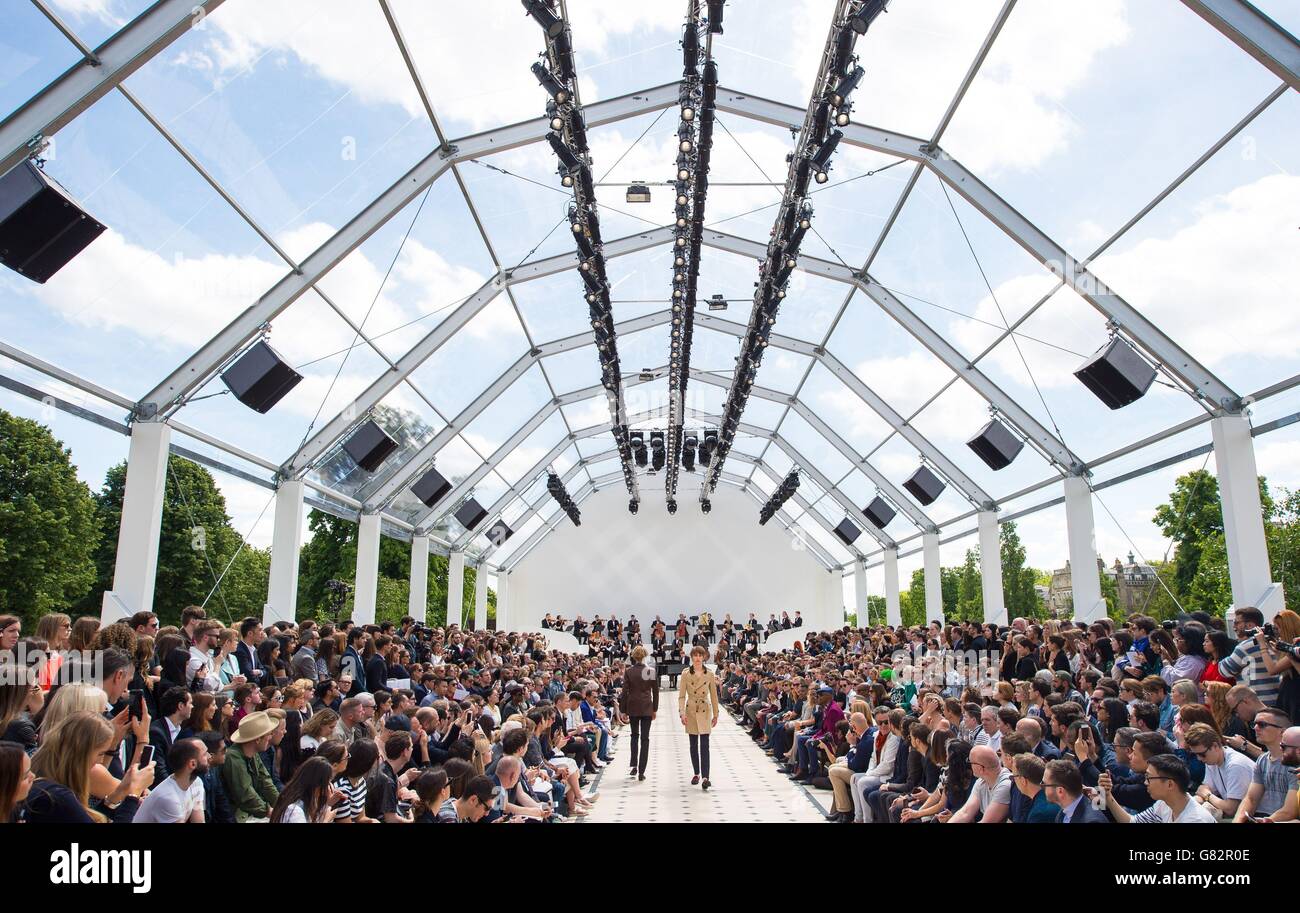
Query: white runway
x=746, y=785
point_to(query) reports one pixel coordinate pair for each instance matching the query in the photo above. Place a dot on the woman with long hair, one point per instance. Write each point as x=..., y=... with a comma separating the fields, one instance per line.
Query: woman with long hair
x=83, y=633
x=1216, y=698
x=11, y=628
x=306, y=797
x=1280, y=663
x=21, y=698
x=433, y=803
x=698, y=705
x=352, y=783
x=16, y=779
x=55, y=629
x=203, y=713
x=63, y=765
x=1218, y=646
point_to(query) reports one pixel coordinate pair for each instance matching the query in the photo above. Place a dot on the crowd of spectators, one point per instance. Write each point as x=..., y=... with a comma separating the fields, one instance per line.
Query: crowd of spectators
x=296, y=722
x=1147, y=722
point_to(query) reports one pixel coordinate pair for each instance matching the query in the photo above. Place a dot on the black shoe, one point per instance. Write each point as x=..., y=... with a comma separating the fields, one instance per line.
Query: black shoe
x=834, y=817
x=844, y=818
x=633, y=771
x=695, y=779
x=640, y=777
x=705, y=784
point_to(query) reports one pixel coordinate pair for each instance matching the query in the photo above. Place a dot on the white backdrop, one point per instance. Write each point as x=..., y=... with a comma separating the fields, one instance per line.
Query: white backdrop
x=654, y=563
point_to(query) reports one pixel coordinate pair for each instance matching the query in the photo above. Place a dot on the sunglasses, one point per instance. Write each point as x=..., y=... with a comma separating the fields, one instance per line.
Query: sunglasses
x=1264, y=724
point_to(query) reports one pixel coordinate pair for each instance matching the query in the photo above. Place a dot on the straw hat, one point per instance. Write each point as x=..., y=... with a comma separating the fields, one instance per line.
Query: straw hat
x=253, y=727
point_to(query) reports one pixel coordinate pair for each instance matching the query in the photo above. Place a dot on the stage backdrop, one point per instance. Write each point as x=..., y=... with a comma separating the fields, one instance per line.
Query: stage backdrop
x=657, y=563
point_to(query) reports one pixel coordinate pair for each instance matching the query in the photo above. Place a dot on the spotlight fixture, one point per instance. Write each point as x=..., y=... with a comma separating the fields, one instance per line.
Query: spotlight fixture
x=549, y=22
x=715, y=16
x=632, y=506
x=672, y=506
x=784, y=492
x=717, y=303
x=809, y=160
x=688, y=453
x=568, y=140
x=866, y=14
x=555, y=486
x=706, y=505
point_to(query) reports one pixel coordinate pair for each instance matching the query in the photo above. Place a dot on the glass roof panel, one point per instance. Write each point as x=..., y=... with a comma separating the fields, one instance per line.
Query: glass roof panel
x=813, y=447
x=471, y=360
x=287, y=110
x=509, y=412
x=1043, y=127
x=553, y=307
x=843, y=410
x=32, y=55
x=600, y=443
x=534, y=447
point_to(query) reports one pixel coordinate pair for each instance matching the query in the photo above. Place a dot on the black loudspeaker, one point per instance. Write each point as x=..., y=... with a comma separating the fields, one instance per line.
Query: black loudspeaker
x=470, y=514
x=41, y=226
x=996, y=445
x=924, y=485
x=879, y=513
x=498, y=533
x=369, y=446
x=1117, y=374
x=847, y=532
x=260, y=378
x=431, y=488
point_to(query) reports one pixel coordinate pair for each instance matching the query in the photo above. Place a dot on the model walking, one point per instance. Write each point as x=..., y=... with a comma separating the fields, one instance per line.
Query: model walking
x=640, y=703
x=697, y=703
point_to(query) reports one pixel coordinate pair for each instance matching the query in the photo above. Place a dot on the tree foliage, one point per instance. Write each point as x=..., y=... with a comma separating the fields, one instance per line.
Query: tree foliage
x=48, y=526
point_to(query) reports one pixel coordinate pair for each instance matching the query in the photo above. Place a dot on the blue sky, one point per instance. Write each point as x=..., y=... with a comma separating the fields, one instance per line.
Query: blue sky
x=305, y=112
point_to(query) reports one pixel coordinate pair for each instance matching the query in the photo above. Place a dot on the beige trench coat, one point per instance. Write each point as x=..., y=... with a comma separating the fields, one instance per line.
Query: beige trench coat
x=697, y=700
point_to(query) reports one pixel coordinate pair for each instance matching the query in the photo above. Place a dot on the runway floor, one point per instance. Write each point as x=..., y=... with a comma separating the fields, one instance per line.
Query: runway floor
x=745, y=784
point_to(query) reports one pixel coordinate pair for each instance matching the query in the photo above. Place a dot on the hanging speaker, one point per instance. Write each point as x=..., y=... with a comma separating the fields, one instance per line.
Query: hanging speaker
x=470, y=514
x=431, y=488
x=879, y=513
x=369, y=446
x=847, y=532
x=996, y=445
x=260, y=378
x=1117, y=374
x=41, y=227
x=498, y=533
x=924, y=485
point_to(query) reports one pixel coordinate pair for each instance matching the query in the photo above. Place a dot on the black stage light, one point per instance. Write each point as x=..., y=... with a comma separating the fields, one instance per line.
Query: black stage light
x=706, y=505
x=632, y=506
x=564, y=56
x=570, y=161
x=846, y=86
x=672, y=506
x=550, y=84
x=866, y=14
x=550, y=23
x=690, y=50
x=823, y=156
x=715, y=16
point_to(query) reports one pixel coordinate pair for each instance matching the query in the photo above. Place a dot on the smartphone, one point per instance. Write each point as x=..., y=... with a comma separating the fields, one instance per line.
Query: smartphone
x=146, y=756
x=137, y=704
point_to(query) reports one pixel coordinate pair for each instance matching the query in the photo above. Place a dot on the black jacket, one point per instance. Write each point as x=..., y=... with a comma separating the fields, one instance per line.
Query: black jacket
x=53, y=803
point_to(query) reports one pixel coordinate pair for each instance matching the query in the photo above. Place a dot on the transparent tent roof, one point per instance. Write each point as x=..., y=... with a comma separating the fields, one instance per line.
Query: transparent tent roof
x=1141, y=142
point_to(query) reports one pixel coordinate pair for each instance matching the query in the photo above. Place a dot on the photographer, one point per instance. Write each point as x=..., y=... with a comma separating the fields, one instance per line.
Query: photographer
x=1246, y=662
x=1277, y=646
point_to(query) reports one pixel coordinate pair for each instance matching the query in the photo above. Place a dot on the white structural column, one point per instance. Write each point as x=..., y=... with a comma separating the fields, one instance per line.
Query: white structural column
x=860, y=593
x=1243, y=520
x=995, y=607
x=367, y=584
x=1085, y=579
x=286, y=544
x=503, y=602
x=893, y=608
x=137, y=538
x=480, y=598
x=455, y=587
x=832, y=613
x=933, y=577
x=419, y=604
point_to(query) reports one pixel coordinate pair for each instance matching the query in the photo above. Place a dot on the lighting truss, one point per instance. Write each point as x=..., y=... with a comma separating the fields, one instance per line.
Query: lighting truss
x=691, y=188
x=561, y=495
x=837, y=76
x=784, y=492
x=556, y=74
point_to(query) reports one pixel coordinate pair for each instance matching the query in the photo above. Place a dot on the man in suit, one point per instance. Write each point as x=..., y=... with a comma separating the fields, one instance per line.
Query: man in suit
x=1063, y=785
x=352, y=664
x=174, y=710
x=250, y=636
x=639, y=704
x=304, y=661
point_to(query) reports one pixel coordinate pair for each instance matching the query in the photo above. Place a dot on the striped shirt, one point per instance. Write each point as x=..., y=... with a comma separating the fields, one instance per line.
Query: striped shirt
x=354, y=798
x=1246, y=665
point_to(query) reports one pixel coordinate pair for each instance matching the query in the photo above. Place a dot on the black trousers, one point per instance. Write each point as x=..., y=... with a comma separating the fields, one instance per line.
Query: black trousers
x=640, y=740
x=700, y=755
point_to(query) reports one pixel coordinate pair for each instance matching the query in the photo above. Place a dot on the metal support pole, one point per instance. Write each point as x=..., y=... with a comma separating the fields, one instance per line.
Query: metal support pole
x=995, y=608
x=455, y=588
x=860, y=593
x=933, y=577
x=419, y=602
x=366, y=595
x=893, y=606
x=286, y=543
x=1085, y=581
x=503, y=602
x=141, y=525
x=1243, y=517
x=480, y=598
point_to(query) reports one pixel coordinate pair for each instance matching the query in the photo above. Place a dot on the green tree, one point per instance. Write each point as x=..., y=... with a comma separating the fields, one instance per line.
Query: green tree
x=1018, y=581
x=49, y=529
x=195, y=544
x=1283, y=532
x=970, y=591
x=1192, y=516
x=876, y=610
x=913, y=606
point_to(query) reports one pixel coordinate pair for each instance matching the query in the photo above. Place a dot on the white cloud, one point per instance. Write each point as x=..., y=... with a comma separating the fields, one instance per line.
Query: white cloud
x=1240, y=249
x=105, y=10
